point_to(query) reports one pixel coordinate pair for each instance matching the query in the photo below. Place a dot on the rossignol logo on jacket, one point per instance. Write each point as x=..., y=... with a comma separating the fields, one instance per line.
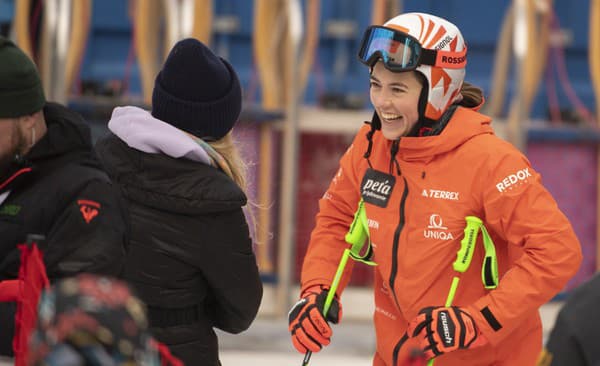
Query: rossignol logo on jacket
x=89, y=209
x=376, y=187
x=512, y=180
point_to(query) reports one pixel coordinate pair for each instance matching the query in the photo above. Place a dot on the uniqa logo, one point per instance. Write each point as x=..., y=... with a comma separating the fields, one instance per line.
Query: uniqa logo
x=431, y=234
x=435, y=222
x=436, y=229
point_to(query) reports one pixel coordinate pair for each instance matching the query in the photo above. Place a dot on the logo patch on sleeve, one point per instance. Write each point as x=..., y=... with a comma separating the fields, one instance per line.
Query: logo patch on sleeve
x=376, y=187
x=89, y=209
x=513, y=180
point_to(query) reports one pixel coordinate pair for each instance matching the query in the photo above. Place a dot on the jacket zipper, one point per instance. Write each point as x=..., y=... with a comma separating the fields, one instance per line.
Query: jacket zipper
x=394, y=268
x=399, y=228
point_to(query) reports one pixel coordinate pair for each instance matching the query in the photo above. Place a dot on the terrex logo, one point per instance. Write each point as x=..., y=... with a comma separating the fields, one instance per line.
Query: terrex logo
x=513, y=180
x=439, y=194
x=436, y=229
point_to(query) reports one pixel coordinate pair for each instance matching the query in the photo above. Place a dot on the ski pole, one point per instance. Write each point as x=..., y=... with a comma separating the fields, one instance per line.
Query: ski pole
x=331, y=294
x=356, y=236
x=463, y=258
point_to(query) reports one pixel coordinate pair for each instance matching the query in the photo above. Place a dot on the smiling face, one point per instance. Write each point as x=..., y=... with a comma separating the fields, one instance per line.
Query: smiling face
x=395, y=96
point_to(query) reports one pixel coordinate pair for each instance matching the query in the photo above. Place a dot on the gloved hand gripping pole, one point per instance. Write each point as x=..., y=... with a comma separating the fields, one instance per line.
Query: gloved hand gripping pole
x=356, y=236
x=464, y=256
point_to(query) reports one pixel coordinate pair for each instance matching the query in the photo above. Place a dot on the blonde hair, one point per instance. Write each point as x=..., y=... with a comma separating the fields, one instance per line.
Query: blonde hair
x=238, y=171
x=227, y=148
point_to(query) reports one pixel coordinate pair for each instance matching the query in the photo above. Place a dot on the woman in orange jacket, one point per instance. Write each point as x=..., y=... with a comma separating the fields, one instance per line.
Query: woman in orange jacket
x=426, y=161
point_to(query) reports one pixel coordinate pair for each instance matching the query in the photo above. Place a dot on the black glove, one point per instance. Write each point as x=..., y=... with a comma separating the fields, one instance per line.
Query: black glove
x=444, y=329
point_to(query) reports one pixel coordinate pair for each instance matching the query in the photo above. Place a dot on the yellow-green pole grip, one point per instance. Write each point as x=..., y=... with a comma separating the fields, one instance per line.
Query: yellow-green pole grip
x=467, y=244
x=357, y=234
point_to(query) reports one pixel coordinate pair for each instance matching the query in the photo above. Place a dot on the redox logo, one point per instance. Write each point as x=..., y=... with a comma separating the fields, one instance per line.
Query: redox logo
x=513, y=179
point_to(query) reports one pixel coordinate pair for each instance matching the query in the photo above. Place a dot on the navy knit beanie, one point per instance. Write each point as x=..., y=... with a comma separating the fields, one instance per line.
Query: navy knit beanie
x=197, y=91
x=21, y=91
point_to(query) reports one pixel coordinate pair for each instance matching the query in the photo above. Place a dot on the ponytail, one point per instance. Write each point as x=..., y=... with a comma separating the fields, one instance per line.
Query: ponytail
x=472, y=95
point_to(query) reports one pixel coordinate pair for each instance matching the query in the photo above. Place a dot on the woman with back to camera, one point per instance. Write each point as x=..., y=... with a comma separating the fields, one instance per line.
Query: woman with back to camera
x=427, y=161
x=190, y=259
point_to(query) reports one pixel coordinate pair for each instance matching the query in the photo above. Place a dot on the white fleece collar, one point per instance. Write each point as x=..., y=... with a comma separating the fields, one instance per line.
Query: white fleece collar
x=141, y=131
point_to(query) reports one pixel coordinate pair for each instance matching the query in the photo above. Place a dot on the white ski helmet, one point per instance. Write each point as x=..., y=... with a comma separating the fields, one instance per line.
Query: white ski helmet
x=431, y=45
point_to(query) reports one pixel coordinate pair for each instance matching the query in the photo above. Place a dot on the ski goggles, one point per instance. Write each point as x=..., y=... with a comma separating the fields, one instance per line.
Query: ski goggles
x=402, y=52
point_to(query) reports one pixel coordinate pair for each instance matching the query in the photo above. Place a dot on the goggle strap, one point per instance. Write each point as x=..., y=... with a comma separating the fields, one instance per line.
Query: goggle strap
x=428, y=57
x=444, y=59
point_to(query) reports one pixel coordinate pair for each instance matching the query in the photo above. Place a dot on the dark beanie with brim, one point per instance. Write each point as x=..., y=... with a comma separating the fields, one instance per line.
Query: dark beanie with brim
x=197, y=91
x=21, y=91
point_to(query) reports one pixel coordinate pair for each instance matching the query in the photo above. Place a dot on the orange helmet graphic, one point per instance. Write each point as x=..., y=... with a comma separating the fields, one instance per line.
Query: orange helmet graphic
x=425, y=43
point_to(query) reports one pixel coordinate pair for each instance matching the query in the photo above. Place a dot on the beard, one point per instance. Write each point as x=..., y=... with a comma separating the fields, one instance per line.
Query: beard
x=8, y=159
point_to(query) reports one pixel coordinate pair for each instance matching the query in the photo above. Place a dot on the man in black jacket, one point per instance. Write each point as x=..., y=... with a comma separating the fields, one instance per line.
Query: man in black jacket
x=51, y=184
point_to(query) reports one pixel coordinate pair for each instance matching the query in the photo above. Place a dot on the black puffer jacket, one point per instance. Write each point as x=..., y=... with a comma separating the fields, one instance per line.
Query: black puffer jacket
x=190, y=258
x=60, y=191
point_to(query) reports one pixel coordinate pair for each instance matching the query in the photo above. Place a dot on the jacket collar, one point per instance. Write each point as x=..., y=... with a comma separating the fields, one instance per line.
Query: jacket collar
x=465, y=124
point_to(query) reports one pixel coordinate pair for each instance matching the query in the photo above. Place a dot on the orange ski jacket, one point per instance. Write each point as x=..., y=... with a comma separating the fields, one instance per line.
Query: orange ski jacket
x=416, y=204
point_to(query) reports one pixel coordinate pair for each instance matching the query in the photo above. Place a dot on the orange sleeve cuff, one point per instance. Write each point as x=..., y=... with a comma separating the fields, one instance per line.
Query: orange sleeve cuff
x=487, y=322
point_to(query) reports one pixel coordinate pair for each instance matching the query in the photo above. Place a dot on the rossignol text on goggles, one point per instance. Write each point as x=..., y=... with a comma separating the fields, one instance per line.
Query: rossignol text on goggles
x=402, y=52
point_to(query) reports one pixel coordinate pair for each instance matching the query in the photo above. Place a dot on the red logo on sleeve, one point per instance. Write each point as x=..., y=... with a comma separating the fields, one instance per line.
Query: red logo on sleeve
x=89, y=209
